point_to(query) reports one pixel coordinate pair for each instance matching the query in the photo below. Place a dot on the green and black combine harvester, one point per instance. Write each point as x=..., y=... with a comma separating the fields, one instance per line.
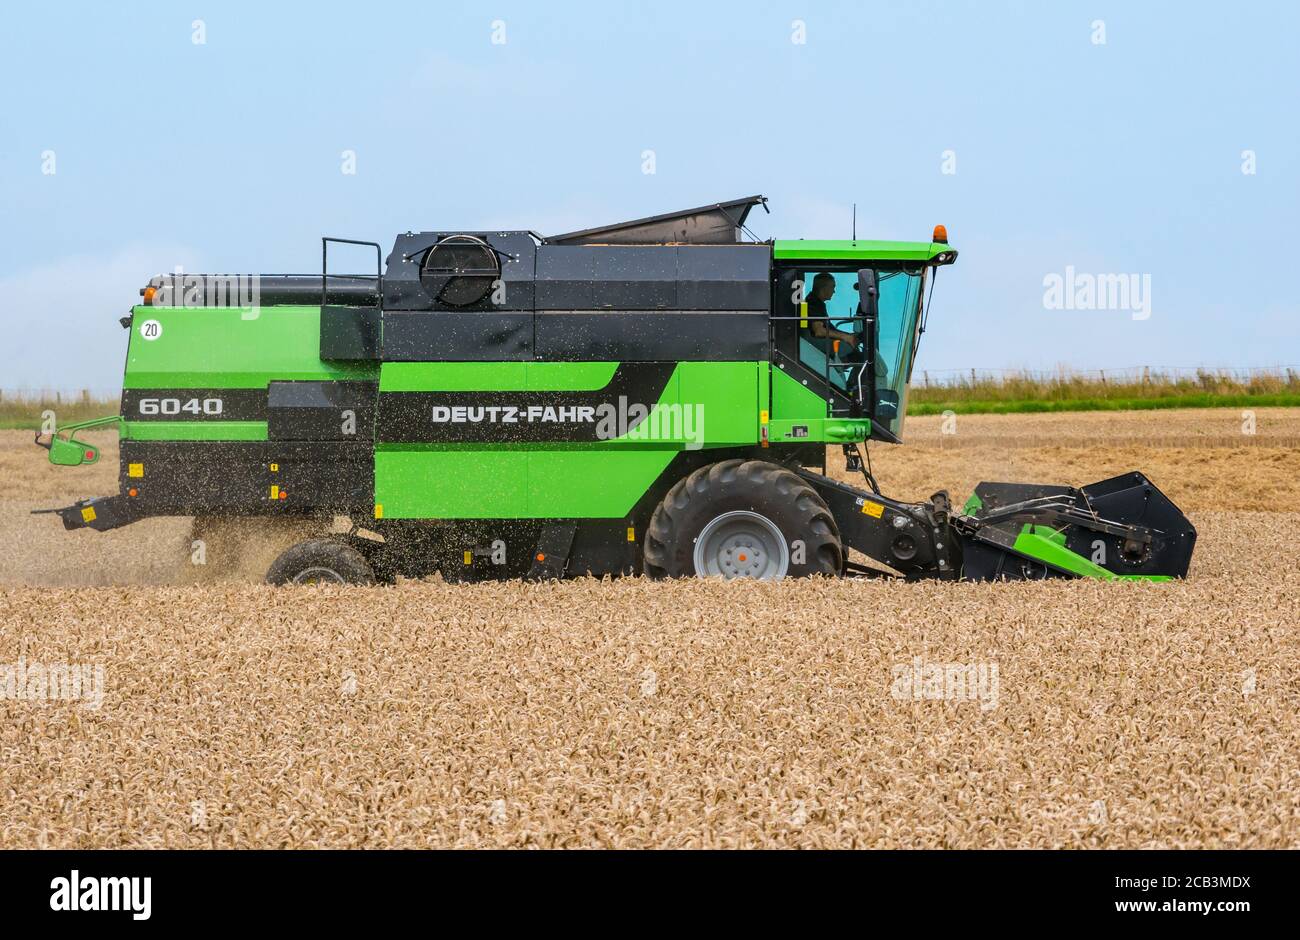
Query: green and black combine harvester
x=654, y=397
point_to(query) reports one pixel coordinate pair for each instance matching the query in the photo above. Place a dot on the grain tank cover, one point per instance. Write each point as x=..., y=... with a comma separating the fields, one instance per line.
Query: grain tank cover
x=720, y=223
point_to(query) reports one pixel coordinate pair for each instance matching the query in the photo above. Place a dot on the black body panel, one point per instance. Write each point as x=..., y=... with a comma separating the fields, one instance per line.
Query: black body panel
x=350, y=333
x=447, y=336
x=511, y=417
x=403, y=289
x=185, y=478
x=649, y=335
x=321, y=411
x=194, y=404
x=663, y=277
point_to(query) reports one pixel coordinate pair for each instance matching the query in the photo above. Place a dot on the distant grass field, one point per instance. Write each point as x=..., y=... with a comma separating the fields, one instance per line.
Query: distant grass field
x=1005, y=393
x=25, y=409
x=1131, y=390
x=998, y=406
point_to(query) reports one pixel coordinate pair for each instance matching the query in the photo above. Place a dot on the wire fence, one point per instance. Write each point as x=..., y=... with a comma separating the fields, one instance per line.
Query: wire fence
x=1124, y=375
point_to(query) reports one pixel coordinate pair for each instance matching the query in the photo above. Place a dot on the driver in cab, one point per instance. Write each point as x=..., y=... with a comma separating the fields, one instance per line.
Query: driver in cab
x=821, y=333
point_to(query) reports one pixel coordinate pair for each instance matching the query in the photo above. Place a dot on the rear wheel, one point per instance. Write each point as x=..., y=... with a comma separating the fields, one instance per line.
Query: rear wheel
x=742, y=519
x=242, y=547
x=321, y=561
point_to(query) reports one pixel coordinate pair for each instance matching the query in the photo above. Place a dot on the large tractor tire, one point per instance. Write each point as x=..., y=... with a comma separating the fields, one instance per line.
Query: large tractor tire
x=321, y=561
x=743, y=519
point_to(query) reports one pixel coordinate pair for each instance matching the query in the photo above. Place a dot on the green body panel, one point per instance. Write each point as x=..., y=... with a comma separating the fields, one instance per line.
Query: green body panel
x=225, y=347
x=194, y=430
x=825, y=430
x=591, y=483
x=704, y=405
x=231, y=347
x=495, y=376
x=514, y=482
x=1048, y=546
x=450, y=482
x=792, y=399
x=721, y=403
x=794, y=405
x=861, y=250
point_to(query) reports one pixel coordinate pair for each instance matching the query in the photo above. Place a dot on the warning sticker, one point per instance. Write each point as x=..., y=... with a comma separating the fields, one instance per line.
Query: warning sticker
x=875, y=510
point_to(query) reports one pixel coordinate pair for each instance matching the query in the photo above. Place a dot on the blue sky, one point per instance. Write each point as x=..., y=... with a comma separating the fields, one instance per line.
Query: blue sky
x=1117, y=157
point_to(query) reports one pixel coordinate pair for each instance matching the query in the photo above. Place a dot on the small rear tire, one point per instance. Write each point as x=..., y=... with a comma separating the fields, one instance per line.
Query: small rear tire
x=743, y=519
x=321, y=561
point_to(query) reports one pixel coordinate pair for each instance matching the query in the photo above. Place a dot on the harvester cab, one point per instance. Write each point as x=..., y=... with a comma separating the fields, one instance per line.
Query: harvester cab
x=656, y=396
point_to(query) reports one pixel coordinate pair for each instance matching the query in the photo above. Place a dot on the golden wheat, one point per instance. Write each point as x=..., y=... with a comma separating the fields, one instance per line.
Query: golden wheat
x=686, y=714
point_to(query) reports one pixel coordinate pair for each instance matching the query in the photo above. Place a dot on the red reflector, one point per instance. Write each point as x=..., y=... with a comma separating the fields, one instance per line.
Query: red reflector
x=90, y=455
x=283, y=494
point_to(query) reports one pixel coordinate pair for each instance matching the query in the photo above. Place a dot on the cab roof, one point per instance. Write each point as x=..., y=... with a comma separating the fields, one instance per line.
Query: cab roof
x=863, y=250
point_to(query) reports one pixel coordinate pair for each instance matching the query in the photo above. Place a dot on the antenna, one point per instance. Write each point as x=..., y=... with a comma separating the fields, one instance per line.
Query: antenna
x=855, y=221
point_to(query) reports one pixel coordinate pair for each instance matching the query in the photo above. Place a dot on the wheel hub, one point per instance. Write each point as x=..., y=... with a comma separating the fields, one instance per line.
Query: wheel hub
x=318, y=574
x=741, y=544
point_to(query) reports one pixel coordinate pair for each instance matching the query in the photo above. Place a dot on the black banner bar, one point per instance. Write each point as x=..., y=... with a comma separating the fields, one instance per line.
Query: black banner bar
x=979, y=891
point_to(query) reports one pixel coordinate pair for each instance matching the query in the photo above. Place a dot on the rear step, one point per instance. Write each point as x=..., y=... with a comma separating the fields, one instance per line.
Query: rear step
x=100, y=513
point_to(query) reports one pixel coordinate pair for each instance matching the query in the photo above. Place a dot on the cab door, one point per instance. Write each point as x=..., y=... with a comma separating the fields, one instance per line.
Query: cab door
x=807, y=366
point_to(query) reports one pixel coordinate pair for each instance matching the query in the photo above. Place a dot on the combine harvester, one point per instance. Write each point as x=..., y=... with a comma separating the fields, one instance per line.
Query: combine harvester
x=645, y=397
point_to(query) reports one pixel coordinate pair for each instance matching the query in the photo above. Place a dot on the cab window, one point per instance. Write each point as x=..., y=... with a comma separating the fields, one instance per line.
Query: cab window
x=829, y=336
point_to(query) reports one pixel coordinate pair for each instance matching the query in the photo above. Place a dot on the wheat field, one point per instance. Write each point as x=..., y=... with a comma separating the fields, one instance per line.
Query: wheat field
x=688, y=714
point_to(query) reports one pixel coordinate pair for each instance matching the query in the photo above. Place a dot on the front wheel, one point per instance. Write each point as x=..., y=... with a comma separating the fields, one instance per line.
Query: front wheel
x=743, y=519
x=321, y=561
